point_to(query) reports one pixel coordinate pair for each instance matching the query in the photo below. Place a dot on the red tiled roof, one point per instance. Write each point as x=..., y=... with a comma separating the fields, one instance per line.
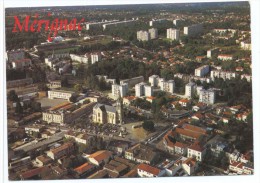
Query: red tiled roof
x=83, y=168
x=190, y=162
x=197, y=147
x=33, y=172
x=101, y=155
x=149, y=169
x=61, y=148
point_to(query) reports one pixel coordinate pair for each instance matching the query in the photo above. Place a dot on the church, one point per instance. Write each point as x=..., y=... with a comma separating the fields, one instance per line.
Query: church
x=108, y=114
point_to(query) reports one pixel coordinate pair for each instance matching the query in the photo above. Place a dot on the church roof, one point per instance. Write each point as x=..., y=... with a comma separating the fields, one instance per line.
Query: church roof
x=104, y=107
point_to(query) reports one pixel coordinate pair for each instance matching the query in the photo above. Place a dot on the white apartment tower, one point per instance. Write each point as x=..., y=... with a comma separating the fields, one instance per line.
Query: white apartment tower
x=207, y=96
x=119, y=90
x=153, y=33
x=143, y=35
x=193, y=29
x=153, y=80
x=173, y=34
x=202, y=71
x=168, y=86
x=142, y=89
x=95, y=57
x=190, y=89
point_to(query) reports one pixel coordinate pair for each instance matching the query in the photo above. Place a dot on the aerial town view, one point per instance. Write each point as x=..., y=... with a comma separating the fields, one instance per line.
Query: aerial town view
x=122, y=91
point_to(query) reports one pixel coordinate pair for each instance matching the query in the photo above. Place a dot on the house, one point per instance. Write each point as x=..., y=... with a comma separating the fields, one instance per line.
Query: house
x=33, y=174
x=150, y=99
x=184, y=102
x=100, y=158
x=127, y=100
x=173, y=146
x=83, y=169
x=82, y=138
x=181, y=167
x=239, y=69
x=199, y=107
x=145, y=170
x=225, y=120
x=197, y=151
x=141, y=153
x=189, y=165
x=42, y=160
x=240, y=168
x=236, y=109
x=198, y=116
x=60, y=151
x=118, y=146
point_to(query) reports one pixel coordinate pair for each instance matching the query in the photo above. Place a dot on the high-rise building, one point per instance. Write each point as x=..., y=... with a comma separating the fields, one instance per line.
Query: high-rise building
x=142, y=89
x=207, y=96
x=202, y=71
x=153, y=33
x=190, y=89
x=176, y=22
x=120, y=90
x=173, y=34
x=153, y=80
x=143, y=35
x=193, y=30
x=168, y=86
x=148, y=90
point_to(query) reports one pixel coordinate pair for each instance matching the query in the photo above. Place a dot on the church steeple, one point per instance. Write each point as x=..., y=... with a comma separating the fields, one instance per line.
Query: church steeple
x=119, y=109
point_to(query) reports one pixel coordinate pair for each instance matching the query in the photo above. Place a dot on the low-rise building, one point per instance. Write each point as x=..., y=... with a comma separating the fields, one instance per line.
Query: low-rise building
x=100, y=158
x=145, y=170
x=63, y=150
x=225, y=57
x=61, y=94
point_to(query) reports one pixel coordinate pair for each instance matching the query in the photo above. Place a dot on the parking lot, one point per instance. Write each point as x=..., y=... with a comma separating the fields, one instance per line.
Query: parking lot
x=47, y=103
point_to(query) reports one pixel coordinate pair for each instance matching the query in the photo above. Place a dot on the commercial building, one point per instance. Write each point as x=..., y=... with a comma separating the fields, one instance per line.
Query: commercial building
x=193, y=30
x=207, y=96
x=202, y=71
x=173, y=34
x=119, y=90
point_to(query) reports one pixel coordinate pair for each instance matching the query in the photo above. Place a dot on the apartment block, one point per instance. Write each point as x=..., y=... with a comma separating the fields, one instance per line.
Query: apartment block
x=173, y=34
x=202, y=71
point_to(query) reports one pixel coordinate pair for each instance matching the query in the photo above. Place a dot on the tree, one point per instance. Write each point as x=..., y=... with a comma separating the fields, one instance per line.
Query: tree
x=148, y=125
x=73, y=98
x=12, y=96
x=18, y=108
x=36, y=106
